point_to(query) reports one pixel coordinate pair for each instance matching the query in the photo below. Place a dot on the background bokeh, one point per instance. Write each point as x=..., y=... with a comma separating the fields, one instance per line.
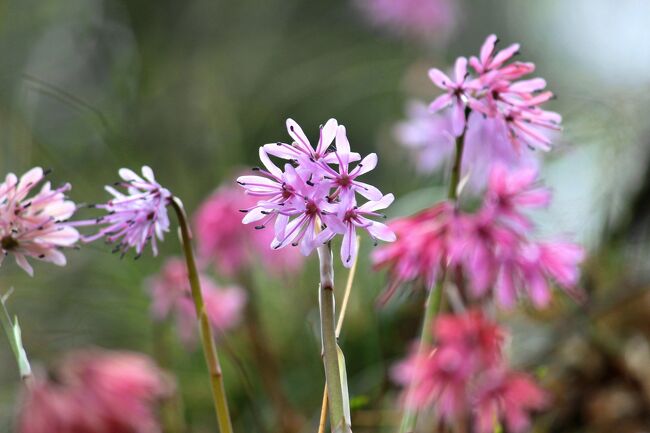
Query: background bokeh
x=193, y=88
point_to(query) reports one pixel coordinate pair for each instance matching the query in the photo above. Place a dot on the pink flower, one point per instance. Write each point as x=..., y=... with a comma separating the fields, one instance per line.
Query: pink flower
x=508, y=396
x=34, y=226
x=172, y=297
x=299, y=199
x=354, y=217
x=232, y=246
x=505, y=106
x=428, y=20
x=425, y=243
x=465, y=375
x=135, y=218
x=97, y=392
x=466, y=345
x=492, y=249
x=458, y=94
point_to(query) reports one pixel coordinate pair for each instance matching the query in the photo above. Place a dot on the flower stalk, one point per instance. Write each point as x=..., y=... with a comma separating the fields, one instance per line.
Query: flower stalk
x=435, y=297
x=12, y=330
x=338, y=421
x=207, y=338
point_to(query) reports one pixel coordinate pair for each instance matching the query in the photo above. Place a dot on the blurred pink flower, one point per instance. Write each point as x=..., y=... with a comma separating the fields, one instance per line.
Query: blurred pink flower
x=232, y=246
x=493, y=247
x=465, y=374
x=171, y=296
x=34, y=226
x=427, y=20
x=424, y=244
x=97, y=392
x=135, y=218
x=508, y=396
x=466, y=345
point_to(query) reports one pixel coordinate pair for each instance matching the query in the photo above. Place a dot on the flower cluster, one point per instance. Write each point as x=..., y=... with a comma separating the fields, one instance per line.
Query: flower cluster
x=496, y=110
x=136, y=218
x=233, y=247
x=35, y=226
x=317, y=187
x=492, y=247
x=171, y=294
x=466, y=375
x=97, y=392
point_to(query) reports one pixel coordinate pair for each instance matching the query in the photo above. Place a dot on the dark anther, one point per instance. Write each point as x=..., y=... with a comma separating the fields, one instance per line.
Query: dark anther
x=259, y=227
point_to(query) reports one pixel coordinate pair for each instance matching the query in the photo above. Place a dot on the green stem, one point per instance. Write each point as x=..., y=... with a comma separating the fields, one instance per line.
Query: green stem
x=207, y=339
x=12, y=330
x=434, y=298
x=328, y=337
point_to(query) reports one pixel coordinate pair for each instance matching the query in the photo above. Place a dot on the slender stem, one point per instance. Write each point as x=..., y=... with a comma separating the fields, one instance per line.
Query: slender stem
x=339, y=326
x=12, y=330
x=207, y=339
x=455, y=170
x=434, y=298
x=328, y=338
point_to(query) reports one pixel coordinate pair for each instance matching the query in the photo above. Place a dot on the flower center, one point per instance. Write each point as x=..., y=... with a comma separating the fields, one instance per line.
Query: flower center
x=312, y=209
x=344, y=181
x=8, y=243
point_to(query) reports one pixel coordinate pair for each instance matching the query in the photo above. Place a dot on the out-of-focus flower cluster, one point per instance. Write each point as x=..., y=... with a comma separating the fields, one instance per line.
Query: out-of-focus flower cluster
x=233, y=247
x=171, y=295
x=492, y=248
x=431, y=21
x=316, y=187
x=494, y=107
x=97, y=392
x=34, y=224
x=465, y=375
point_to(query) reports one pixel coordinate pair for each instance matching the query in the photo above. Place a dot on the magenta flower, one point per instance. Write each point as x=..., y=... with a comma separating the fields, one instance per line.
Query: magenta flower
x=508, y=396
x=444, y=376
x=97, y=392
x=234, y=247
x=301, y=198
x=491, y=248
x=35, y=226
x=171, y=295
x=135, y=218
x=490, y=60
x=427, y=20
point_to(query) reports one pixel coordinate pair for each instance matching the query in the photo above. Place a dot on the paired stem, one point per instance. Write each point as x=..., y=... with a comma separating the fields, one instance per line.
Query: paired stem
x=207, y=339
x=338, y=422
x=339, y=326
x=435, y=298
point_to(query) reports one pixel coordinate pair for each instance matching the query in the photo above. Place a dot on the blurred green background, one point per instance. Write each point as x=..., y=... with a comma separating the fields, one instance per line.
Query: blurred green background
x=193, y=88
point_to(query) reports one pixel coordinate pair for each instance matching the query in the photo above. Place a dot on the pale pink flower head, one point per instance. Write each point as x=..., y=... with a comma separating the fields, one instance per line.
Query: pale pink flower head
x=428, y=138
x=232, y=246
x=171, y=297
x=426, y=20
x=318, y=190
x=34, y=224
x=506, y=108
x=509, y=397
x=97, y=392
x=135, y=218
